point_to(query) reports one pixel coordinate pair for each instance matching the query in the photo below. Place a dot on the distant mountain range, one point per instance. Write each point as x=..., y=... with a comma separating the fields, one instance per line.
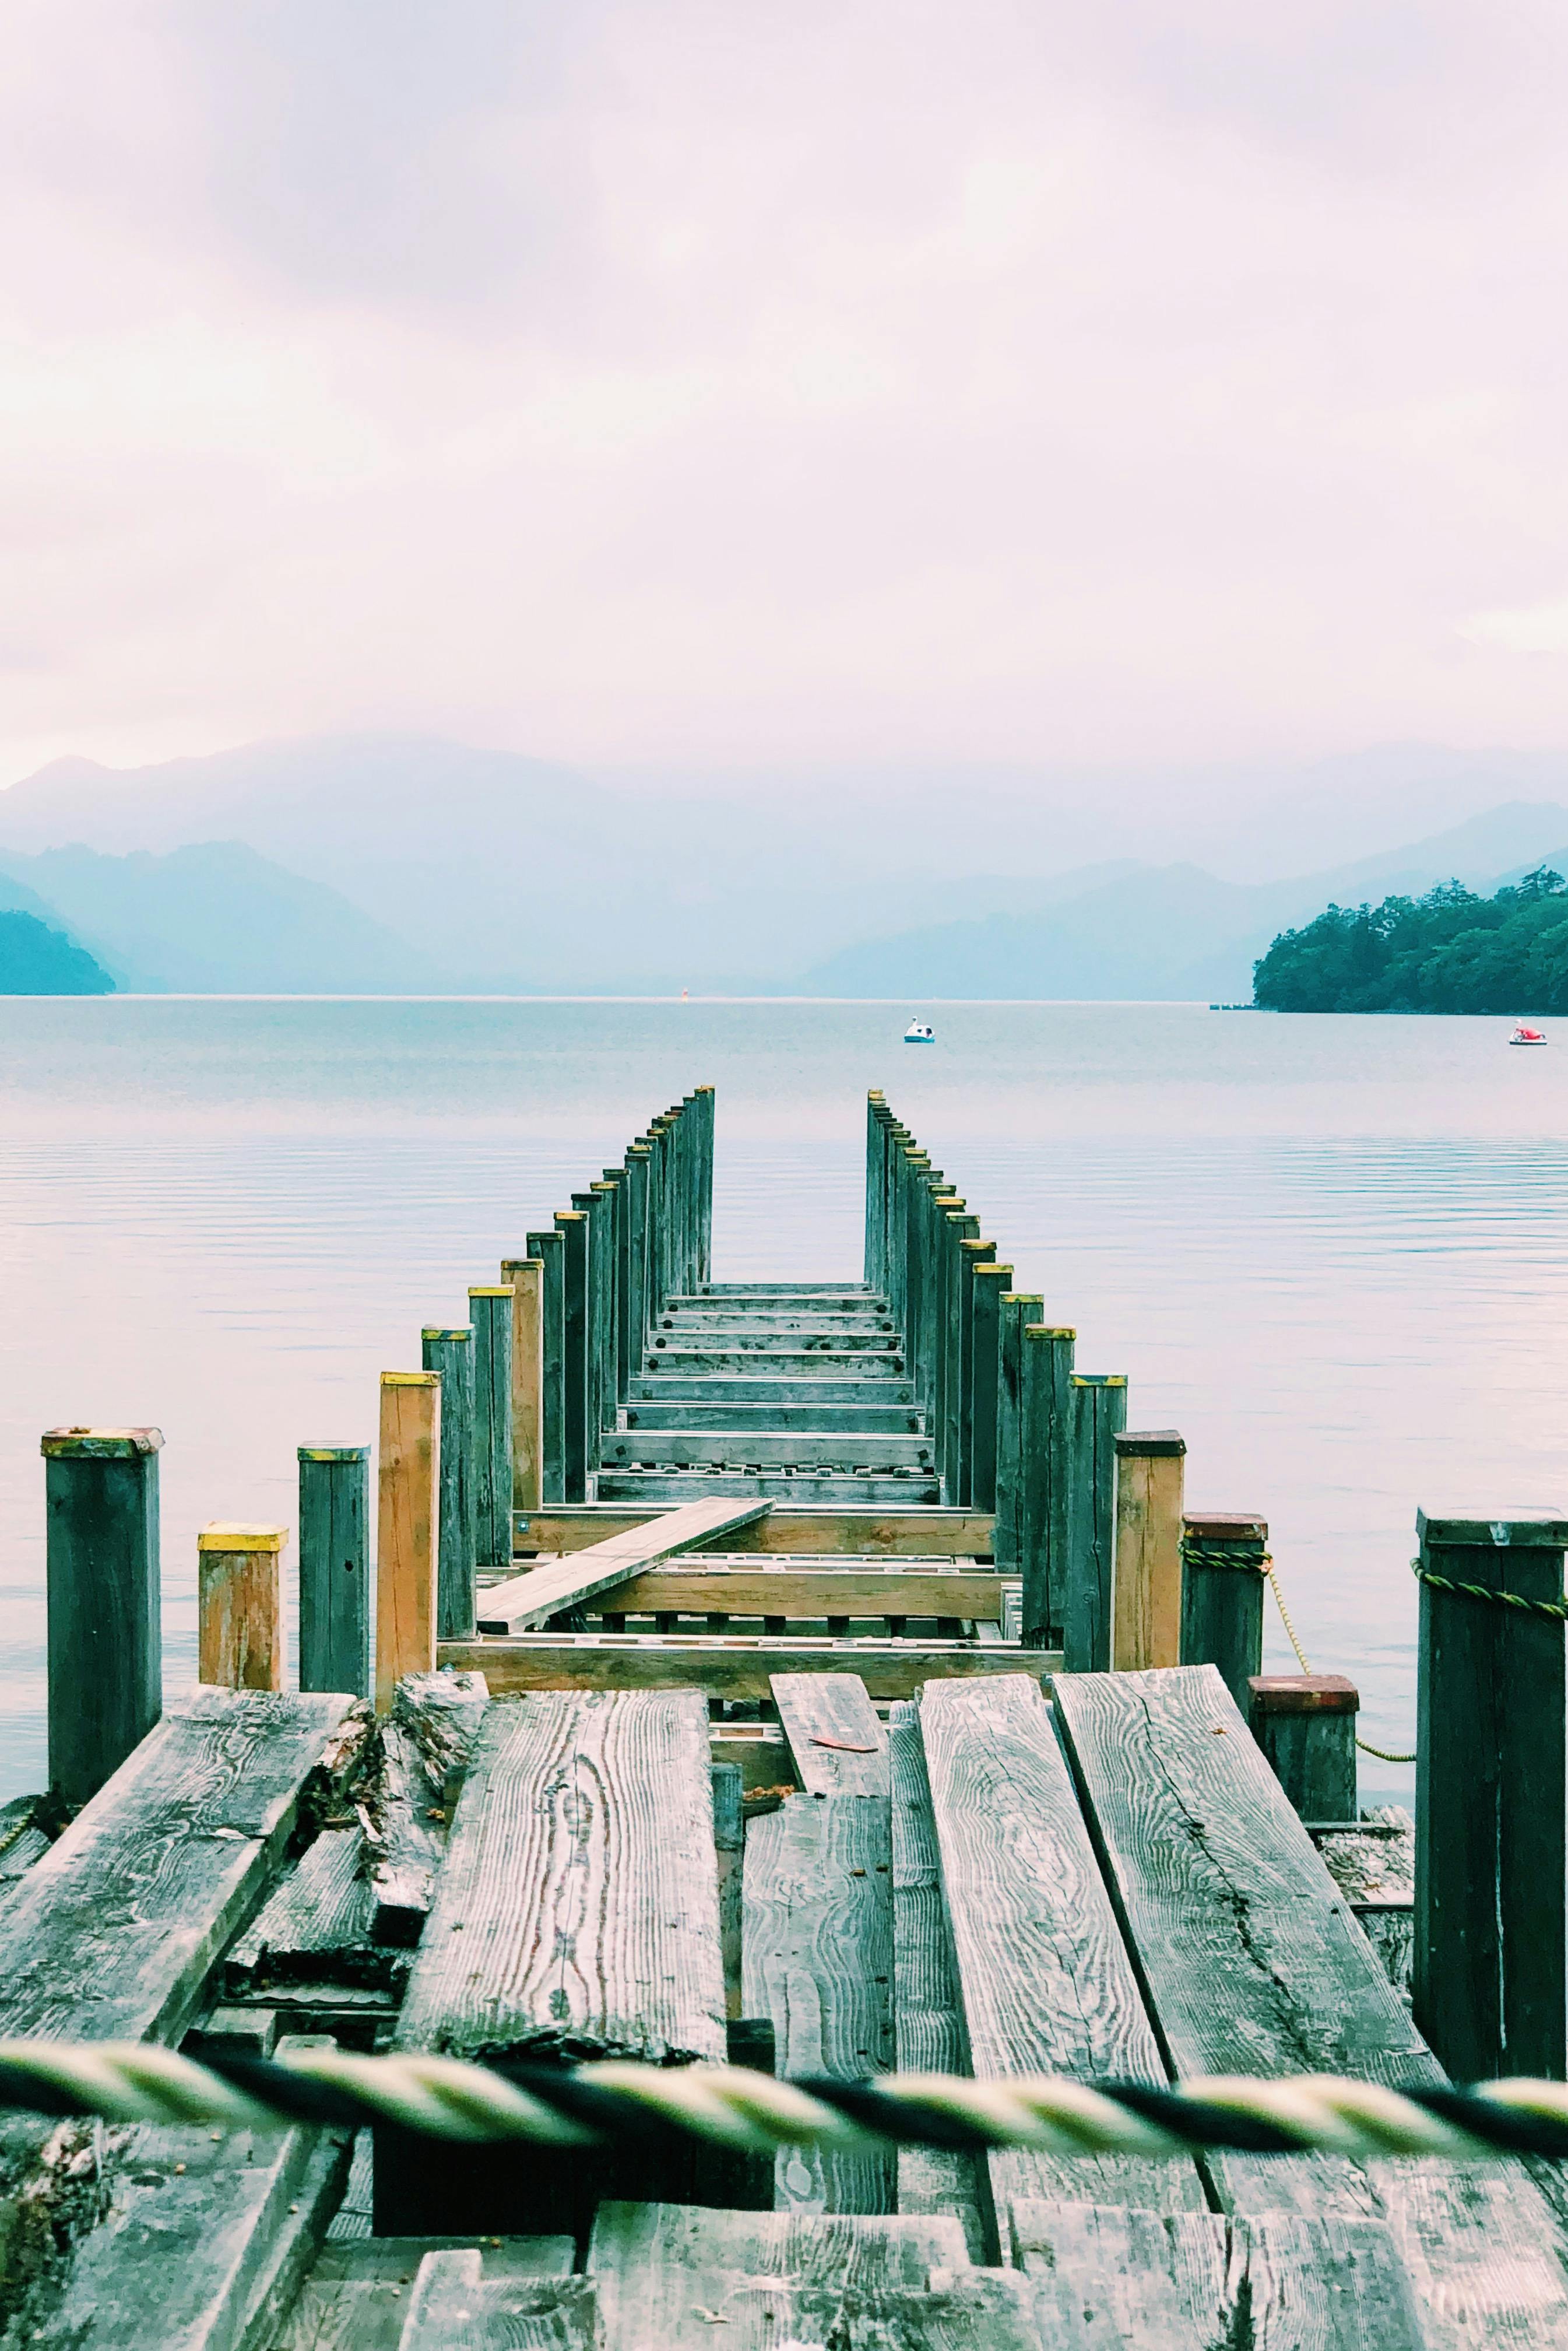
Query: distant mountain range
x=377, y=865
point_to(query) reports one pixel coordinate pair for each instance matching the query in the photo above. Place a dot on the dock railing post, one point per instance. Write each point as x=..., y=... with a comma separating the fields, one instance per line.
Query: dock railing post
x=105, y=1625
x=594, y=1208
x=1145, y=1610
x=1305, y=1725
x=450, y=1353
x=957, y=1226
x=707, y=1104
x=606, y=1242
x=335, y=1568
x=408, y=1520
x=572, y=1226
x=1223, y=1556
x=548, y=1251
x=523, y=1277
x=972, y=1255
x=639, y=1176
x=993, y=1283
x=1489, y=1960
x=1097, y=1411
x=1043, y=1486
x=1018, y=1309
x=239, y=1605
x=875, y=1214
x=492, y=1313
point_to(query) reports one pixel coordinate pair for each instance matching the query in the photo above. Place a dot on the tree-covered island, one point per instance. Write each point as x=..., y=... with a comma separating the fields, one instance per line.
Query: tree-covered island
x=1450, y=951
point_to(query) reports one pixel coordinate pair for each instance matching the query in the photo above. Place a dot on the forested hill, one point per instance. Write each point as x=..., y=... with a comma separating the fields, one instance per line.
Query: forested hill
x=1448, y=952
x=37, y=960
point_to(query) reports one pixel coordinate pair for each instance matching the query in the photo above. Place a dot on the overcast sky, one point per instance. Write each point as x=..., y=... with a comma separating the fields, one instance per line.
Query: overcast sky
x=717, y=382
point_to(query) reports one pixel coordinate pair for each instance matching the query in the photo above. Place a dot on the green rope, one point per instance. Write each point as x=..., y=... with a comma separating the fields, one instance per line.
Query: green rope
x=1245, y=1556
x=1557, y=1610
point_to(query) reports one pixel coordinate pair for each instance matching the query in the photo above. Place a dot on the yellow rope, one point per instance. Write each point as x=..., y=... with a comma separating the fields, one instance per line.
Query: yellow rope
x=1384, y=1754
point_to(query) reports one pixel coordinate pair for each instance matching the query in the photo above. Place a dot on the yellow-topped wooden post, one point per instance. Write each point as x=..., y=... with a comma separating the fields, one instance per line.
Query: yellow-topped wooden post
x=1146, y=1606
x=408, y=1476
x=240, y=1605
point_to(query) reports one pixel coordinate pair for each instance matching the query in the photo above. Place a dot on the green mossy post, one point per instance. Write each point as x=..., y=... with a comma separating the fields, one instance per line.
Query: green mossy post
x=594, y=1208
x=1016, y=1309
x=639, y=1176
x=1305, y=1725
x=993, y=1283
x=550, y=1251
x=1043, y=1485
x=1222, y=1555
x=335, y=1568
x=1097, y=1413
x=707, y=1105
x=451, y=1352
x=102, y=1570
x=957, y=1226
x=876, y=1200
x=490, y=1312
x=1489, y=1960
x=606, y=1291
x=972, y=1255
x=572, y=1224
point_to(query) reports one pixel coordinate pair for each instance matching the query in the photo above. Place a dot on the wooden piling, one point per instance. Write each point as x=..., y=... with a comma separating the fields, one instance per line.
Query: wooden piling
x=1305, y=1725
x=450, y=1353
x=239, y=1605
x=492, y=1313
x=972, y=1255
x=1097, y=1411
x=993, y=1283
x=1045, y=1457
x=572, y=1224
x=549, y=1251
x=524, y=1277
x=1016, y=1311
x=105, y=1637
x=952, y=1278
x=1146, y=1606
x=1489, y=1960
x=407, y=1522
x=334, y=1568
x=1222, y=1556
x=638, y=1178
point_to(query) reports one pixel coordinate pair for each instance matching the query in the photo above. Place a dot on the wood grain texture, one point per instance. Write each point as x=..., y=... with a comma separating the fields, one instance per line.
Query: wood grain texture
x=110, y=1936
x=239, y=1606
x=870, y=1419
x=522, y=1276
x=1252, y=1964
x=687, y=1449
x=818, y=1959
x=536, y=1596
x=355, y=2297
x=1045, y=1984
x=1147, y=1604
x=315, y=1925
x=815, y=1593
x=664, y=1488
x=454, y=2306
x=407, y=1527
x=726, y=1666
x=920, y=1533
x=929, y=2036
x=424, y=1752
x=836, y=1742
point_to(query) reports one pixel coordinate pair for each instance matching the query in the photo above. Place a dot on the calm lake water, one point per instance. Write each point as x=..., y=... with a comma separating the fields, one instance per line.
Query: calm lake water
x=1330, y=1250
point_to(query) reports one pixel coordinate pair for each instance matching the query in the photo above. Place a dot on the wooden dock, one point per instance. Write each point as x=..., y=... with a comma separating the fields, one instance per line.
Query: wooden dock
x=822, y=1676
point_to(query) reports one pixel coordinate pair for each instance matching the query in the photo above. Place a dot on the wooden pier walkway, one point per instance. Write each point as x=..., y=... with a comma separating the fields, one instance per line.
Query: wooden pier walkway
x=821, y=1675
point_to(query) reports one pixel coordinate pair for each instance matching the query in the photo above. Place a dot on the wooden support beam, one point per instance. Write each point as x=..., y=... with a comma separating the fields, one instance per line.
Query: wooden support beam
x=763, y=1449
x=664, y=1488
x=1147, y=1607
x=864, y=1420
x=1046, y=1480
x=524, y=1277
x=1045, y=1984
x=335, y=1568
x=923, y=1532
x=531, y=1599
x=450, y=1354
x=836, y=1743
x=977, y=1596
x=579, y=1816
x=102, y=1566
x=1305, y=1725
x=239, y=1605
x=492, y=1313
x=407, y=1522
x=727, y=1665
x=1490, y=1812
x=1222, y=1556
x=1097, y=1411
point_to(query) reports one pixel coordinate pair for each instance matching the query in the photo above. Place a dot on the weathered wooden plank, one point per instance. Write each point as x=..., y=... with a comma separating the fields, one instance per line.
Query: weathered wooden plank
x=920, y=1533
x=1045, y=1984
x=545, y=1592
x=111, y=1935
x=795, y=1591
x=817, y=1957
x=316, y=1923
x=789, y=1359
x=763, y=1448
x=425, y=1749
x=751, y=1339
x=928, y=2030
x=578, y=1910
x=1252, y=1963
x=836, y=1743
x=672, y=2276
x=355, y=2297
x=407, y=1527
x=893, y=1394
x=726, y=1665
x=1373, y=1863
x=22, y=1840
x=869, y=1419
x=454, y=2306
x=667, y=1488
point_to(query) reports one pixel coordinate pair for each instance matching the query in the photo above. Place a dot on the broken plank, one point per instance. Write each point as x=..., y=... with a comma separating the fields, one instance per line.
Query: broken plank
x=927, y=1531
x=533, y=1599
x=111, y=1934
x=1252, y=1963
x=576, y=1912
x=817, y=1957
x=836, y=1743
x=1045, y=1984
x=425, y=1745
x=315, y=1925
x=728, y=1664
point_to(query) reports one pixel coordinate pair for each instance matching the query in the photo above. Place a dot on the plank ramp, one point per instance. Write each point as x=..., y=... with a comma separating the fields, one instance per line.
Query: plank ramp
x=524, y=1601
x=1252, y=1964
x=111, y=1935
x=577, y=1912
x=1044, y=1983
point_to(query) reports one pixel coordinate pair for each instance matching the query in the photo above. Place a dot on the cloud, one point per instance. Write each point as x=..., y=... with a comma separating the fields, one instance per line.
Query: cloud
x=711, y=384
x=1533, y=628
